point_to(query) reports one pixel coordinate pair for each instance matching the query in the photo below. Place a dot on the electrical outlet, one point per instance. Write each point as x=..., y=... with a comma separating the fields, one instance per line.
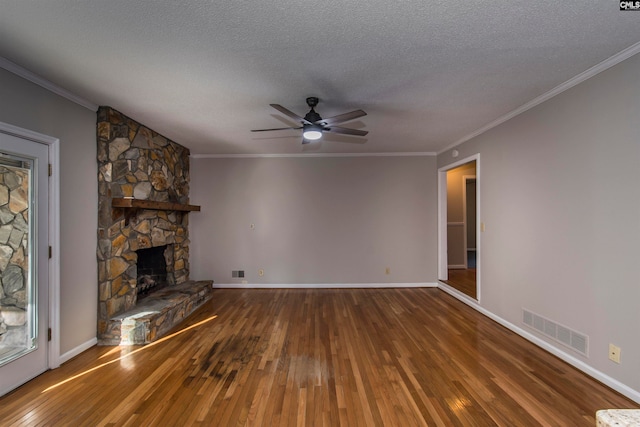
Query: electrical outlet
x=614, y=353
x=261, y=272
x=387, y=270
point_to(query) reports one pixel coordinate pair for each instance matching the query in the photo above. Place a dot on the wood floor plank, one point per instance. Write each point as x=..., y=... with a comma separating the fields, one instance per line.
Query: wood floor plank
x=332, y=357
x=463, y=280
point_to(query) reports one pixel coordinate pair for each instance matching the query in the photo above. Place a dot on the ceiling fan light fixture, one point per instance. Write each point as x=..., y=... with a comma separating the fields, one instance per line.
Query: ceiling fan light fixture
x=312, y=132
x=313, y=126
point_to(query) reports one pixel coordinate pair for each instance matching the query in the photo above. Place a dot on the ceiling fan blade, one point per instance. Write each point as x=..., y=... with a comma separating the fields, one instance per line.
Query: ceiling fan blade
x=266, y=130
x=290, y=114
x=342, y=118
x=305, y=141
x=346, y=131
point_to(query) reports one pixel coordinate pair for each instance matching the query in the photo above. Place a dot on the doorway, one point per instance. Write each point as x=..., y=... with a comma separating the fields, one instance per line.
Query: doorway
x=470, y=220
x=24, y=259
x=459, y=255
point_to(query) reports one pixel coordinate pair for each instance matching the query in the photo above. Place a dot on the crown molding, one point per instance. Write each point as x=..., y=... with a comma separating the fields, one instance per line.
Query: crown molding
x=253, y=156
x=40, y=81
x=596, y=69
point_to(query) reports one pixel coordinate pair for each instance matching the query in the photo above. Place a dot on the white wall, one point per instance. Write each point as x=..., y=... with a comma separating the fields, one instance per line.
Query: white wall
x=317, y=220
x=561, y=206
x=29, y=106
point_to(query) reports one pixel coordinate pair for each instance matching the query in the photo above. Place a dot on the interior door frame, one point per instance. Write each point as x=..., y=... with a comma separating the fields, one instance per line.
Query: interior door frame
x=465, y=219
x=53, y=346
x=443, y=273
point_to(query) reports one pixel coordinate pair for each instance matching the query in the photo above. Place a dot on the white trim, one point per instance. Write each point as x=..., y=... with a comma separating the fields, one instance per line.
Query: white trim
x=54, y=262
x=465, y=221
x=443, y=267
x=253, y=156
x=443, y=273
x=579, y=364
x=478, y=233
x=321, y=285
x=27, y=134
x=456, y=293
x=466, y=160
x=79, y=349
x=585, y=75
x=41, y=81
x=456, y=266
x=53, y=346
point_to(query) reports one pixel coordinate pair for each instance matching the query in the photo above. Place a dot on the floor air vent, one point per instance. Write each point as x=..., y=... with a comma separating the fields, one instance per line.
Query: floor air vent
x=572, y=339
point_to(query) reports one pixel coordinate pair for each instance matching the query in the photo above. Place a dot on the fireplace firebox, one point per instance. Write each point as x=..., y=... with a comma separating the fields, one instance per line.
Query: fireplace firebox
x=152, y=270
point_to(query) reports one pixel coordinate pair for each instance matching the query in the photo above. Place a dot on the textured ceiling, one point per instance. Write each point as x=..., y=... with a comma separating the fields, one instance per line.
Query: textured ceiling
x=203, y=73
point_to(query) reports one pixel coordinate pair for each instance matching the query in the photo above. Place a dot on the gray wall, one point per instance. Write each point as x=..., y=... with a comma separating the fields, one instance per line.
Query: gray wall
x=317, y=220
x=561, y=205
x=32, y=107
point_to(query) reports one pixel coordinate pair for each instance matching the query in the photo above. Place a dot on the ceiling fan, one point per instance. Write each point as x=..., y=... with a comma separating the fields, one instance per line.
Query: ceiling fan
x=313, y=125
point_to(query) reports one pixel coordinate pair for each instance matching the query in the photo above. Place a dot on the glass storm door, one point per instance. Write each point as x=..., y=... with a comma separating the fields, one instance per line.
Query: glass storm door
x=23, y=260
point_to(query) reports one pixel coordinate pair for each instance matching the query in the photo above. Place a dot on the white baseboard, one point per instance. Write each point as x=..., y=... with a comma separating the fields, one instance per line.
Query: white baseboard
x=79, y=349
x=579, y=364
x=457, y=267
x=322, y=285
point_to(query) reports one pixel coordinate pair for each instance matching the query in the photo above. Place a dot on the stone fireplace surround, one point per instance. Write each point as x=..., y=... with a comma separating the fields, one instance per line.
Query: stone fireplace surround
x=137, y=163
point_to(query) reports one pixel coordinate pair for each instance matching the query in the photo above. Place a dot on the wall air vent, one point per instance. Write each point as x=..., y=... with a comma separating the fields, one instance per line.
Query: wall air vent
x=575, y=340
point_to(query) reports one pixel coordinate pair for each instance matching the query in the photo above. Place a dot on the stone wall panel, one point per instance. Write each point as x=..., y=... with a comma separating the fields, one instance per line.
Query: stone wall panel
x=4, y=195
x=117, y=147
x=5, y=215
x=14, y=256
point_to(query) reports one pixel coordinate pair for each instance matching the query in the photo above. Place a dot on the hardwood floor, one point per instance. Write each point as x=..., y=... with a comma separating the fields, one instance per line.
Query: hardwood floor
x=392, y=357
x=463, y=280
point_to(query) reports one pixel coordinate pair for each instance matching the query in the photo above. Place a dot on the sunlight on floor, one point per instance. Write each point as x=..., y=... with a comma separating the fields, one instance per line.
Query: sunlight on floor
x=128, y=354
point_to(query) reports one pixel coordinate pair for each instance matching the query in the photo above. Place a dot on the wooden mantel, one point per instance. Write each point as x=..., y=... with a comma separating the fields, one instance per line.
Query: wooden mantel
x=123, y=202
x=131, y=206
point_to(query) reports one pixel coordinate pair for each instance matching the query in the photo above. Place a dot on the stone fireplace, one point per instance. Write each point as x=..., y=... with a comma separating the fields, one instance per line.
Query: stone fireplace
x=143, y=186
